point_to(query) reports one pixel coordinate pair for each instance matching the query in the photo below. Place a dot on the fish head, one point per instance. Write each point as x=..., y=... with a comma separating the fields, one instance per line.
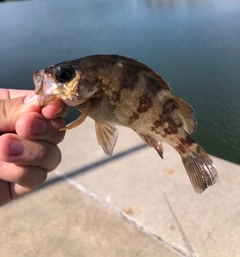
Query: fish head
x=65, y=81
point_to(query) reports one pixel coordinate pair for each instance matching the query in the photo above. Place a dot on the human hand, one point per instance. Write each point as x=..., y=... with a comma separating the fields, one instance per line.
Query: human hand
x=28, y=142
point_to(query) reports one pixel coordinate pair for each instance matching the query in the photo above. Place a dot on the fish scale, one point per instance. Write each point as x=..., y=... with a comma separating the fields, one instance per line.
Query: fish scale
x=116, y=90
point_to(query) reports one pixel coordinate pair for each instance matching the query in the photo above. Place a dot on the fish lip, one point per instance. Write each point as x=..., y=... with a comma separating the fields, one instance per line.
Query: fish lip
x=39, y=89
x=38, y=82
x=44, y=87
x=43, y=83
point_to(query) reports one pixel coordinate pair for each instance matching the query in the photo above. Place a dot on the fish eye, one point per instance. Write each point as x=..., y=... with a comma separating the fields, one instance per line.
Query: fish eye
x=64, y=73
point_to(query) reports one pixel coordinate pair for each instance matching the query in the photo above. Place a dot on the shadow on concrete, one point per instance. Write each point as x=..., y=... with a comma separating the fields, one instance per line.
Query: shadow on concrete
x=94, y=165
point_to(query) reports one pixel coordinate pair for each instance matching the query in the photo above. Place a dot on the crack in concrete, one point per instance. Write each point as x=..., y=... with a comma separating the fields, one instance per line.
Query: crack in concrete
x=119, y=213
x=185, y=238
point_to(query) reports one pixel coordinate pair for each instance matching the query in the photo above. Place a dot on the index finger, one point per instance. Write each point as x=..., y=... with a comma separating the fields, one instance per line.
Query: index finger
x=51, y=111
x=13, y=93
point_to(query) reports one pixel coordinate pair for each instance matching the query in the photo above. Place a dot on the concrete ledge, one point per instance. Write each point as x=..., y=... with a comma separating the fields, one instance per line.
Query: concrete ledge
x=125, y=197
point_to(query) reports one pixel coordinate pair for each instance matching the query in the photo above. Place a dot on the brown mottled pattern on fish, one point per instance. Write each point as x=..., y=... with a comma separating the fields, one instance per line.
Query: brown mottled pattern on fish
x=115, y=90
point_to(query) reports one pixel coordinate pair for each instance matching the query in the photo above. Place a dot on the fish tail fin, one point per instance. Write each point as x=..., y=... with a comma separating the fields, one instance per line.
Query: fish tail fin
x=200, y=169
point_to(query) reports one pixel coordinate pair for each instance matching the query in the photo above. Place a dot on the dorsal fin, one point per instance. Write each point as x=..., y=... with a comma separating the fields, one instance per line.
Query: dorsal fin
x=125, y=61
x=187, y=115
x=146, y=70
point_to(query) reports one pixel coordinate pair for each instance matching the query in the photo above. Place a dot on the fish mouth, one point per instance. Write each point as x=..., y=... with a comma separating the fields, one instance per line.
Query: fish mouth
x=43, y=83
x=38, y=81
x=44, y=87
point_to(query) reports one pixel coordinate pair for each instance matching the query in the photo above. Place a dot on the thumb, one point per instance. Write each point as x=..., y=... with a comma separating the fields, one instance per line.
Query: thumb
x=12, y=109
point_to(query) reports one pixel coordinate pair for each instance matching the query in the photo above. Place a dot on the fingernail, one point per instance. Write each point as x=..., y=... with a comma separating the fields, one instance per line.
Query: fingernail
x=17, y=148
x=30, y=98
x=38, y=127
x=59, y=111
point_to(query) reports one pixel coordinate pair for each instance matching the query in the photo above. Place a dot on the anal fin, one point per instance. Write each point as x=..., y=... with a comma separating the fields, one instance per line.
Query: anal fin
x=151, y=141
x=107, y=135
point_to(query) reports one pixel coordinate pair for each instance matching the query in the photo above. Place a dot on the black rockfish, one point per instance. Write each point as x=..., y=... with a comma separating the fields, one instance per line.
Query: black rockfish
x=115, y=90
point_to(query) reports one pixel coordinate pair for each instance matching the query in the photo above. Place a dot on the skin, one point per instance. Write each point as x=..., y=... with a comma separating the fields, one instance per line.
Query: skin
x=28, y=142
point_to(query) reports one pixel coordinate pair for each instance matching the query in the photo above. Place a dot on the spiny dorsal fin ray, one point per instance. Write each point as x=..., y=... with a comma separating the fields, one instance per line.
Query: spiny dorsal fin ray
x=156, y=144
x=136, y=65
x=107, y=135
x=187, y=115
x=145, y=69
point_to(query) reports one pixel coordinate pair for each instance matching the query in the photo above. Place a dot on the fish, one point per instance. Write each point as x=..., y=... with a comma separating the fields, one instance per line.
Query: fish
x=117, y=90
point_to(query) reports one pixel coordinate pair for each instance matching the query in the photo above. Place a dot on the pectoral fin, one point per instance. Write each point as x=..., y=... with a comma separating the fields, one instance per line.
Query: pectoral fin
x=151, y=141
x=107, y=135
x=78, y=121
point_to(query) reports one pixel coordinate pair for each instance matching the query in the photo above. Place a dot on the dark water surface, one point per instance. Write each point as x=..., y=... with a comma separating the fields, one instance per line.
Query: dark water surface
x=194, y=45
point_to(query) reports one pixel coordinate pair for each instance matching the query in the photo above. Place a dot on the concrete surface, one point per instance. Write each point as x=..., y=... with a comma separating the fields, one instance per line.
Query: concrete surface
x=133, y=204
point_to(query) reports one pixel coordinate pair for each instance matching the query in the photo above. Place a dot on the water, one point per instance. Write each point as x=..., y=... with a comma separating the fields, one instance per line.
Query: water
x=194, y=45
